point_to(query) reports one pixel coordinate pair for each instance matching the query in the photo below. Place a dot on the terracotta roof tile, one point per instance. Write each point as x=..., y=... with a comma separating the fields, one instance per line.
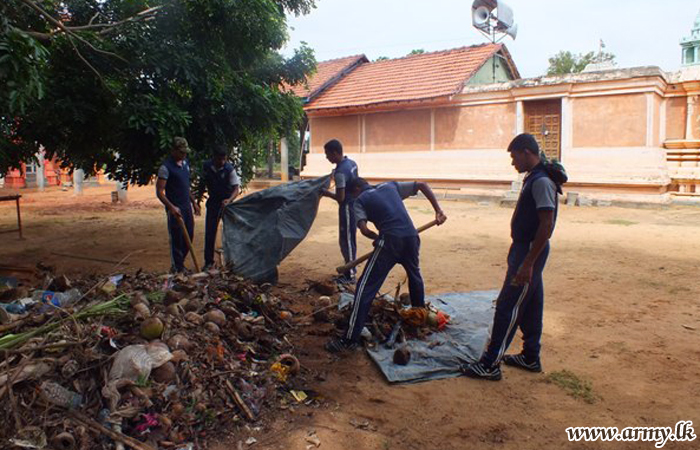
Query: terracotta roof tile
x=325, y=72
x=416, y=77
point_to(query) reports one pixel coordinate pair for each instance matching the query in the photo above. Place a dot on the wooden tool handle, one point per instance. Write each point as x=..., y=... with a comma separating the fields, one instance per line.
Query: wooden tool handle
x=188, y=241
x=365, y=257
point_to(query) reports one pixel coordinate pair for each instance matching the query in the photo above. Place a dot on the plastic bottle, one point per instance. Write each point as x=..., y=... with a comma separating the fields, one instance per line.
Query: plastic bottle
x=13, y=308
x=52, y=299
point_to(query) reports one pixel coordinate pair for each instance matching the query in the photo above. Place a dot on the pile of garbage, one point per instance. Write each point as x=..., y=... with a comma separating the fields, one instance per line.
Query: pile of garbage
x=140, y=361
x=392, y=321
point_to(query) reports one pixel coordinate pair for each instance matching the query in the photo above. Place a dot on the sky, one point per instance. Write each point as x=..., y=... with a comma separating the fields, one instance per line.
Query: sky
x=638, y=32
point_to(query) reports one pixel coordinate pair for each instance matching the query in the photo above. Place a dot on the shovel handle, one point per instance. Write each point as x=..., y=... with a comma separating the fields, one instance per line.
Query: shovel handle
x=188, y=241
x=366, y=256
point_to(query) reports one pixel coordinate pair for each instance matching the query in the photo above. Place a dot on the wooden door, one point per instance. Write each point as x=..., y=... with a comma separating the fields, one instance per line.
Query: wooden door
x=543, y=120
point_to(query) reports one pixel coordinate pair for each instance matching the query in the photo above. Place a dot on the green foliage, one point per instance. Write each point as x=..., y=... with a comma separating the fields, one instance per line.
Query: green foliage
x=118, y=86
x=566, y=62
x=573, y=385
x=416, y=51
x=381, y=58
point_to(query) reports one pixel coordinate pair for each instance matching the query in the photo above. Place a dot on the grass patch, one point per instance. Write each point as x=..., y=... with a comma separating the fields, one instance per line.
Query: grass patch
x=573, y=385
x=155, y=297
x=623, y=222
x=421, y=209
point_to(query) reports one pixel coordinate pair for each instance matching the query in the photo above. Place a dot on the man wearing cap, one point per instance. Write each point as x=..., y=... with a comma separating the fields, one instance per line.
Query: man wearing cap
x=396, y=242
x=173, y=190
x=345, y=173
x=521, y=300
x=221, y=181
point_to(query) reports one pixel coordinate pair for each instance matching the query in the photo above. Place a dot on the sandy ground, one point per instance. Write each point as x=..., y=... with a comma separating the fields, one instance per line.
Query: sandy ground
x=622, y=312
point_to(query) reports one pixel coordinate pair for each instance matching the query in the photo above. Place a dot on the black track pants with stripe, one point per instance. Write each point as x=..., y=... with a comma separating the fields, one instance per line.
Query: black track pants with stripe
x=178, y=245
x=347, y=234
x=518, y=306
x=388, y=252
x=211, y=228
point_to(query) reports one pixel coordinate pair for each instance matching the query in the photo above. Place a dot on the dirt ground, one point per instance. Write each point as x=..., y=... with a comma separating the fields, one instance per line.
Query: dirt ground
x=622, y=312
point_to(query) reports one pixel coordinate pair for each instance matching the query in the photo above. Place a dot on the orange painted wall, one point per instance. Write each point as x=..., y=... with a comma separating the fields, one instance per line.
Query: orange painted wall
x=475, y=127
x=623, y=121
x=695, y=119
x=345, y=128
x=676, y=108
x=401, y=131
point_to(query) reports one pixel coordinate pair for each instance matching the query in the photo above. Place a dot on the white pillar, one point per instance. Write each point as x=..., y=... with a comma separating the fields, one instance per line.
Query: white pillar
x=567, y=127
x=662, y=121
x=650, y=120
x=363, y=141
x=432, y=129
x=690, y=112
x=284, y=159
x=78, y=177
x=40, y=170
x=519, y=117
x=121, y=192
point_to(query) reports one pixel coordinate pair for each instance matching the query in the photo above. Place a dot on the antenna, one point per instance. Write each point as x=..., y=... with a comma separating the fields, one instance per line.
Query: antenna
x=494, y=19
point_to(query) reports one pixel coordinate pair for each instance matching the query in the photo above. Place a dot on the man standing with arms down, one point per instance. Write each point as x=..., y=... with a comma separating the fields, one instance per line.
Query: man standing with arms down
x=521, y=300
x=221, y=181
x=173, y=190
x=345, y=173
x=396, y=243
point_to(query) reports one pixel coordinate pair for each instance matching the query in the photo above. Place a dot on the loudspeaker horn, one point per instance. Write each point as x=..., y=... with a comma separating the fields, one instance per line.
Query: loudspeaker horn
x=480, y=16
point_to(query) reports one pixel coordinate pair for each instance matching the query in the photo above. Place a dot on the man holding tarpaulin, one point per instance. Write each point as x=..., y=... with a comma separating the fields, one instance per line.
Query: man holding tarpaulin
x=220, y=180
x=396, y=243
x=345, y=172
x=521, y=300
x=173, y=190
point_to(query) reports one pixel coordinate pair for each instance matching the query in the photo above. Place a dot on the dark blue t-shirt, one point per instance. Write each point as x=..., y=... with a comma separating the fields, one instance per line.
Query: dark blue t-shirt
x=345, y=173
x=538, y=193
x=219, y=182
x=383, y=206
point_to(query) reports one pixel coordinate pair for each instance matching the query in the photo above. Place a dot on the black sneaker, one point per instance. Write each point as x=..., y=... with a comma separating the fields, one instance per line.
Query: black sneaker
x=480, y=371
x=341, y=345
x=344, y=280
x=521, y=362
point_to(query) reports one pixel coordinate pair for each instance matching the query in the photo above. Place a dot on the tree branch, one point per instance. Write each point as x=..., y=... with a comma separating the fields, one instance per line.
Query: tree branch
x=143, y=15
x=92, y=19
x=99, y=75
x=60, y=25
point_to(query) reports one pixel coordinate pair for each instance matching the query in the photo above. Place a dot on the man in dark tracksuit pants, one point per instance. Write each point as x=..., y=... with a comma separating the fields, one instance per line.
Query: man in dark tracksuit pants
x=521, y=300
x=345, y=173
x=221, y=181
x=173, y=190
x=396, y=243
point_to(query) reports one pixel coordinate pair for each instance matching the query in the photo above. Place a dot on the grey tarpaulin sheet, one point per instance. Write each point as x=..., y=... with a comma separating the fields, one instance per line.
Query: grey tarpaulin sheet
x=471, y=316
x=262, y=228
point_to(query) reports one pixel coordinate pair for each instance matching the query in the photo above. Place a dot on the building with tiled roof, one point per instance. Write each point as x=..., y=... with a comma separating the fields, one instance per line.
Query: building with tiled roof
x=422, y=77
x=447, y=117
x=327, y=73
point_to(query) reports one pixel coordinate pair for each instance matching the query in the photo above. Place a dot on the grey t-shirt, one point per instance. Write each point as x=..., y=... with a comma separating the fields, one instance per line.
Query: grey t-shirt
x=163, y=172
x=544, y=191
